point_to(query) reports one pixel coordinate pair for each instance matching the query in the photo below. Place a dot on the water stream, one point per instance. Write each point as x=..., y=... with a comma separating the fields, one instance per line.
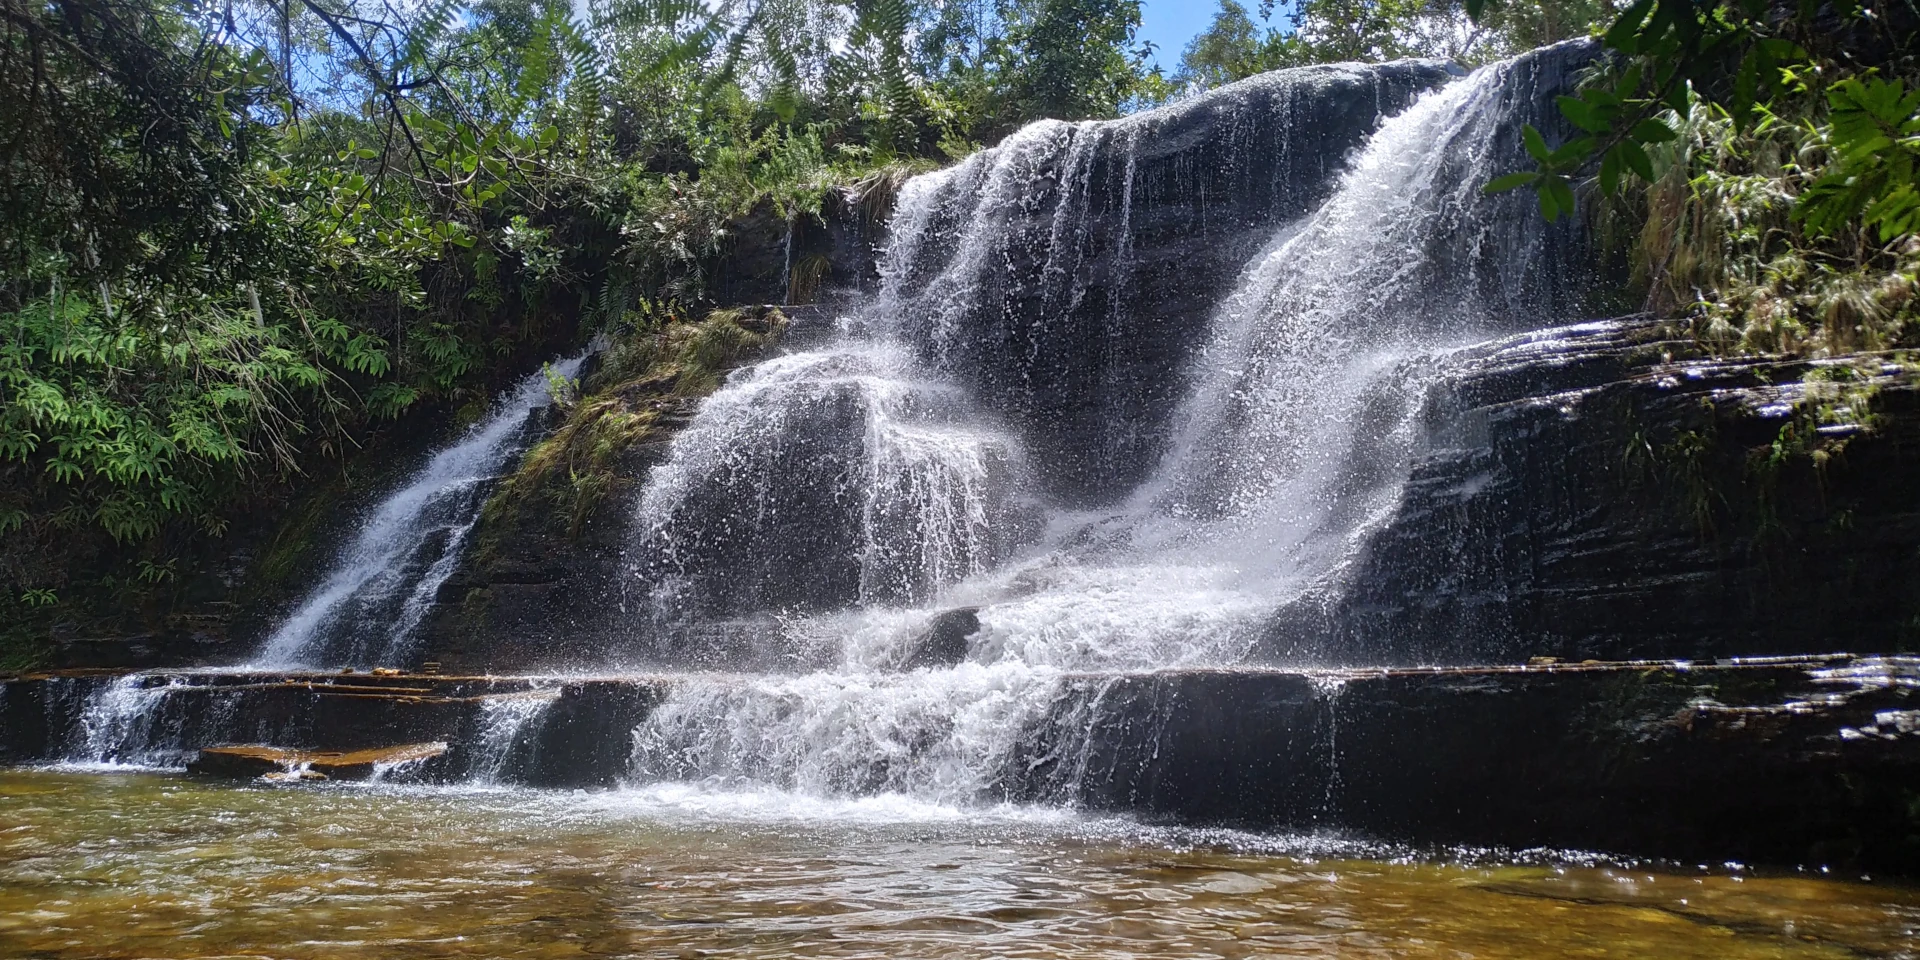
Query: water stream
x=891, y=595
x=366, y=609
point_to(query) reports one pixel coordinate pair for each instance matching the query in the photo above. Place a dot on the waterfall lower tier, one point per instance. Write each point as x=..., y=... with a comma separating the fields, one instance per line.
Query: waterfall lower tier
x=1579, y=492
x=1789, y=760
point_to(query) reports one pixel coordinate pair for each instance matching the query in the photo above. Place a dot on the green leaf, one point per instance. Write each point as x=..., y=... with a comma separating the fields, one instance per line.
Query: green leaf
x=1582, y=114
x=1549, y=207
x=1635, y=158
x=1629, y=82
x=1610, y=173
x=1653, y=131
x=1746, y=88
x=1621, y=37
x=1562, y=195
x=1895, y=212
x=1573, y=152
x=1510, y=181
x=1536, y=144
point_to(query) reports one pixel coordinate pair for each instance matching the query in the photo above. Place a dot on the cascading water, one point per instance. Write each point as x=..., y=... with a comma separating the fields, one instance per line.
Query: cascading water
x=841, y=448
x=506, y=724
x=1287, y=446
x=367, y=608
x=135, y=720
x=116, y=726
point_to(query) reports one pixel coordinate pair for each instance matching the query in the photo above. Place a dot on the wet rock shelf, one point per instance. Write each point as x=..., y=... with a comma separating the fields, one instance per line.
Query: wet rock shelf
x=1786, y=760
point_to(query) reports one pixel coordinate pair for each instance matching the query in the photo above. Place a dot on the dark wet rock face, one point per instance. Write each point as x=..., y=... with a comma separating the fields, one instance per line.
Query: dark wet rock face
x=1594, y=492
x=1109, y=264
x=405, y=727
x=1796, y=762
x=945, y=641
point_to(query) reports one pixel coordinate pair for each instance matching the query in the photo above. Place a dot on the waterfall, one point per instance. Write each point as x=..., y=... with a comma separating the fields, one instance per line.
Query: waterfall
x=133, y=720
x=829, y=504
x=116, y=726
x=365, y=610
x=506, y=724
x=902, y=486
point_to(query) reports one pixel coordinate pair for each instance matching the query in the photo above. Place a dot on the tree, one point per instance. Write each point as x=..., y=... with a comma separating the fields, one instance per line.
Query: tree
x=1228, y=50
x=994, y=65
x=1373, y=31
x=1747, y=58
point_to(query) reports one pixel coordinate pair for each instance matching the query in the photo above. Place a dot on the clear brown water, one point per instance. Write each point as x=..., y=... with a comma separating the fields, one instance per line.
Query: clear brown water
x=152, y=865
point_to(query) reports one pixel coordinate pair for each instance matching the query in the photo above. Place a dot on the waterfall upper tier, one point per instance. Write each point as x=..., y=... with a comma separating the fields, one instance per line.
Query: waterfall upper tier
x=1117, y=478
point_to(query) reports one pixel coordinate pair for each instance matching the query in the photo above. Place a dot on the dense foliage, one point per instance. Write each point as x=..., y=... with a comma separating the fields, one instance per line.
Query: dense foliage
x=236, y=238
x=1333, y=31
x=1773, y=148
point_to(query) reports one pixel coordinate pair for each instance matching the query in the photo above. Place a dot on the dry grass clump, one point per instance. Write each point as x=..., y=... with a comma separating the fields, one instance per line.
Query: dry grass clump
x=1718, y=247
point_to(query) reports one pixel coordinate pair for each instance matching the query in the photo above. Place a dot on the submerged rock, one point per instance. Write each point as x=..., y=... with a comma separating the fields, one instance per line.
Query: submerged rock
x=945, y=641
x=253, y=761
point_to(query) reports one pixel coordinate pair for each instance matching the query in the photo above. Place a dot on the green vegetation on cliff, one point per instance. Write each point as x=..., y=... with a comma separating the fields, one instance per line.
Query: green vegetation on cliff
x=237, y=239
x=1758, y=157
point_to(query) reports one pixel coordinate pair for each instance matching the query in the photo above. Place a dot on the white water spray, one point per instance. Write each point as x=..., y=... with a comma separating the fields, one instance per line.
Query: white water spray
x=1290, y=447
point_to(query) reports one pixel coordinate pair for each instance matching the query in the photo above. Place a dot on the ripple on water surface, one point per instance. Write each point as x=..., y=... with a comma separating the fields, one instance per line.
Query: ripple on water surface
x=140, y=864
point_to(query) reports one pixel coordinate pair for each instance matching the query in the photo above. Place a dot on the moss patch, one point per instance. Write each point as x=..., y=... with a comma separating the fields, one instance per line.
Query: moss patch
x=642, y=374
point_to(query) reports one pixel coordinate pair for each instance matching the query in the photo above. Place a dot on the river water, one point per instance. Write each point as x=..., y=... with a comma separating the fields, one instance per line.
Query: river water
x=157, y=865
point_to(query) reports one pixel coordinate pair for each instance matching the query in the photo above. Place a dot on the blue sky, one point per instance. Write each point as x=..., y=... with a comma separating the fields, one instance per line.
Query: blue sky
x=1171, y=23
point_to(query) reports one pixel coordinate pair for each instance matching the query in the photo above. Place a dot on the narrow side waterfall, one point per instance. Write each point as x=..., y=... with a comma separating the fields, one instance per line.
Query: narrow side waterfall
x=134, y=720
x=506, y=724
x=365, y=610
x=999, y=440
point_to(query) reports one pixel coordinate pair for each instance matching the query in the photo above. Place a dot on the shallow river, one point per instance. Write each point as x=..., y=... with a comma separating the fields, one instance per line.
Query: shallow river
x=152, y=865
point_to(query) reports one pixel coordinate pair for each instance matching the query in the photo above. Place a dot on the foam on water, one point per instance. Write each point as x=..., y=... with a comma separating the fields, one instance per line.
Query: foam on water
x=707, y=803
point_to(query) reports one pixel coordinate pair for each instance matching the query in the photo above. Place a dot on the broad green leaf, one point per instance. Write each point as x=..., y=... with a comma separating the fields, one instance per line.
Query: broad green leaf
x=1510, y=181
x=1582, y=114
x=1653, y=131
x=1536, y=144
x=1573, y=152
x=1635, y=158
x=1621, y=37
x=1629, y=83
x=1562, y=195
